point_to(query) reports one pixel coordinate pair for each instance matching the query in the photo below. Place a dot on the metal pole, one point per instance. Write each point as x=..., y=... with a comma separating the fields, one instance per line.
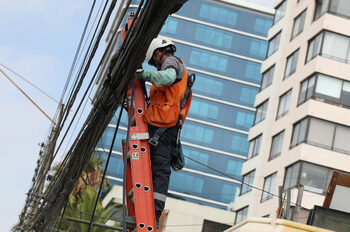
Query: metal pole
x=288, y=205
x=298, y=204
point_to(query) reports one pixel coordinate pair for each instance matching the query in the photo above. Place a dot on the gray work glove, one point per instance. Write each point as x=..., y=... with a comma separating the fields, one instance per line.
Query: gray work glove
x=139, y=75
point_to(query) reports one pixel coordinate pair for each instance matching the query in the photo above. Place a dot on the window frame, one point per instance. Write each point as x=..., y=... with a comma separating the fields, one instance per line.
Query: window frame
x=269, y=193
x=257, y=111
x=241, y=210
x=294, y=21
x=278, y=135
x=254, y=146
x=296, y=64
x=313, y=96
x=249, y=188
x=315, y=144
x=263, y=74
x=279, y=5
x=279, y=104
x=269, y=43
x=314, y=75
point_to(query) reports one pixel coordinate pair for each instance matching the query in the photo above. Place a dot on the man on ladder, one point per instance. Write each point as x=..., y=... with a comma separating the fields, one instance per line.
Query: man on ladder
x=170, y=99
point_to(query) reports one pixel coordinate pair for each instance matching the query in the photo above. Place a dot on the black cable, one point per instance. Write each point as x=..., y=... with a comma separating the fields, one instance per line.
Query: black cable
x=87, y=61
x=91, y=81
x=64, y=210
x=106, y=166
x=131, y=105
x=88, y=36
x=149, y=24
x=231, y=177
x=76, y=53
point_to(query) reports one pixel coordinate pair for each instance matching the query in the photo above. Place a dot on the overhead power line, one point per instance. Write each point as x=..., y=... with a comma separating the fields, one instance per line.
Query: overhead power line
x=43, y=92
x=26, y=95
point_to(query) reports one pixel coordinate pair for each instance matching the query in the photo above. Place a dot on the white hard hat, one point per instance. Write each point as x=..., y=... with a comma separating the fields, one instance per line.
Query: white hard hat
x=157, y=43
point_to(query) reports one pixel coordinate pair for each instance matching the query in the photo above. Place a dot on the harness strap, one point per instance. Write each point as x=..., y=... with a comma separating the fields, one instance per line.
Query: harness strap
x=160, y=131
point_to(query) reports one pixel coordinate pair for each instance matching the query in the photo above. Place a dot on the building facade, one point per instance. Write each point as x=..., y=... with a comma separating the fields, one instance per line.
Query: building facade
x=224, y=44
x=301, y=129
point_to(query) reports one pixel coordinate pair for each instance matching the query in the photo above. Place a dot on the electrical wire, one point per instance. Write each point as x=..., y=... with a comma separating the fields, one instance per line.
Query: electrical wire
x=106, y=166
x=108, y=99
x=36, y=87
x=77, y=51
x=86, y=40
x=90, y=84
x=86, y=63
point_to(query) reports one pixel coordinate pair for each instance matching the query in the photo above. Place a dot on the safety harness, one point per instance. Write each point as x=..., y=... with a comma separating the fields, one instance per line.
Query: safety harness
x=177, y=159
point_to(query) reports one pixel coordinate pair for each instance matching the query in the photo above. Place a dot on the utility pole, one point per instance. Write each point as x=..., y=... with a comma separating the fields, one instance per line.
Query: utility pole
x=44, y=164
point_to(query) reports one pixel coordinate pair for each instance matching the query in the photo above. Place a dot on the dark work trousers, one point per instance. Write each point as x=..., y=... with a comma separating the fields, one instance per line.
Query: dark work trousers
x=160, y=164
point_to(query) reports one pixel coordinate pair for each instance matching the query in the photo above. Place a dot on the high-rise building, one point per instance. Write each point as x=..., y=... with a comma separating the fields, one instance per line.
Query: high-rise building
x=224, y=44
x=302, y=128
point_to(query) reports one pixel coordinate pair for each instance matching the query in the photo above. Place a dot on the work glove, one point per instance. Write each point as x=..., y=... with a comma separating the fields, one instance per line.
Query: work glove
x=139, y=75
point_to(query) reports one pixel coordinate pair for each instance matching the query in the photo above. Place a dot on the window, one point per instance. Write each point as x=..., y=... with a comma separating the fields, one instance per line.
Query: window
x=284, y=103
x=244, y=119
x=341, y=139
x=325, y=88
x=314, y=47
x=241, y=215
x=291, y=66
x=291, y=176
x=239, y=144
x=339, y=52
x=280, y=11
x=274, y=44
x=299, y=132
x=328, y=88
x=267, y=77
x=170, y=26
x=298, y=24
x=234, y=167
x=321, y=8
x=276, y=145
x=262, y=25
x=212, y=36
x=323, y=44
x=337, y=7
x=258, y=48
x=321, y=133
x=261, y=112
x=218, y=14
x=313, y=177
x=254, y=147
x=269, y=187
x=340, y=7
x=199, y=134
x=209, y=60
x=248, y=181
x=306, y=89
x=204, y=109
x=248, y=95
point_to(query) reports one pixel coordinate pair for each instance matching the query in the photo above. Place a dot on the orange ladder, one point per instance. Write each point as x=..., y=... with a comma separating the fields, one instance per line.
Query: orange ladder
x=139, y=187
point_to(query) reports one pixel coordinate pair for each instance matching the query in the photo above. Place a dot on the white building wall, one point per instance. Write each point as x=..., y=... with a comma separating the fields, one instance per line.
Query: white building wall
x=270, y=126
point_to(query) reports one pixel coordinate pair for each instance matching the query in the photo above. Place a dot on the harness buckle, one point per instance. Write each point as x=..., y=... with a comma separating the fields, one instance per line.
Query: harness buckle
x=154, y=140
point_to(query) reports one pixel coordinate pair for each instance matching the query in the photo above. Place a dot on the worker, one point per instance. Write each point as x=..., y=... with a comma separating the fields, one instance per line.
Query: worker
x=164, y=114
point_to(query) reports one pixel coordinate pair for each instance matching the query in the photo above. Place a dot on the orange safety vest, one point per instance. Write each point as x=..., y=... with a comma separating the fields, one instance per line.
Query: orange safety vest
x=164, y=108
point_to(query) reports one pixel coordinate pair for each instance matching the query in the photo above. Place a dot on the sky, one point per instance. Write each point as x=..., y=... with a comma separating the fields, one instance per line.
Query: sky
x=38, y=40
